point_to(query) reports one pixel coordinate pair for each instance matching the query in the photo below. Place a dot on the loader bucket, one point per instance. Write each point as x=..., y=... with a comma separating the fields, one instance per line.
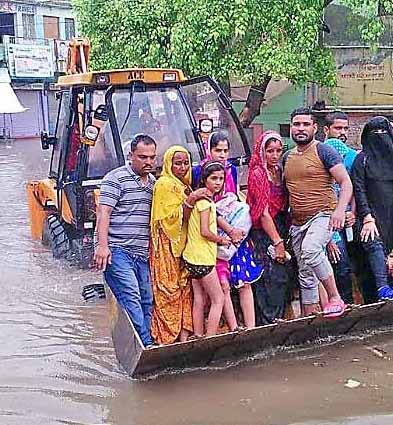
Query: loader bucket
x=139, y=362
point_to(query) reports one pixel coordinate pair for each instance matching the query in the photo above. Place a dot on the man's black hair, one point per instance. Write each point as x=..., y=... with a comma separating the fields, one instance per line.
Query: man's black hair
x=303, y=111
x=336, y=115
x=141, y=138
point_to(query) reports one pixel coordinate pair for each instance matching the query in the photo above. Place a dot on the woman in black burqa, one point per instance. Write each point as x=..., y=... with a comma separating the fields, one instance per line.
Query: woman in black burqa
x=373, y=187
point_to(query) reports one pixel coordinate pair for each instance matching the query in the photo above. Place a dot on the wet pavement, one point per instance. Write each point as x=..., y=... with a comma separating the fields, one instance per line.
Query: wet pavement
x=57, y=364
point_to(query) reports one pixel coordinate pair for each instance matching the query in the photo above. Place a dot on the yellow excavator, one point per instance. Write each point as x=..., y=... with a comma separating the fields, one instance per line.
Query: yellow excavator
x=98, y=113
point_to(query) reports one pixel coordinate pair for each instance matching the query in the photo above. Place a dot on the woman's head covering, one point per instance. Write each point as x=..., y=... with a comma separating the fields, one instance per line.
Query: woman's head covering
x=259, y=177
x=258, y=158
x=377, y=142
x=167, y=163
x=230, y=184
x=208, y=146
x=168, y=196
x=348, y=154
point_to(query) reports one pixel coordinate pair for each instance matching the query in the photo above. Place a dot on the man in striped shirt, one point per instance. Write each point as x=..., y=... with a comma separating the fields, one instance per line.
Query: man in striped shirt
x=123, y=229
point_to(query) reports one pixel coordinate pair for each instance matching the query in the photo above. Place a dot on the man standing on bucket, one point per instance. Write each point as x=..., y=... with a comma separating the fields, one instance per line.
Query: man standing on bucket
x=310, y=170
x=336, y=130
x=123, y=229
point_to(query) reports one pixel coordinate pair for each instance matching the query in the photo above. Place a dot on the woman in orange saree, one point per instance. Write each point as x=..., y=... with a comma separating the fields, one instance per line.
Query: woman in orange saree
x=173, y=201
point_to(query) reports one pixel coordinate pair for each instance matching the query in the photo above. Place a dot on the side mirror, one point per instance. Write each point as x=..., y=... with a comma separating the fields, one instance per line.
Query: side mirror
x=47, y=140
x=101, y=113
x=206, y=125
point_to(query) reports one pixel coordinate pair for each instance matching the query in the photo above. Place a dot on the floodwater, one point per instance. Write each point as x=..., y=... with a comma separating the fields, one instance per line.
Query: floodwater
x=57, y=364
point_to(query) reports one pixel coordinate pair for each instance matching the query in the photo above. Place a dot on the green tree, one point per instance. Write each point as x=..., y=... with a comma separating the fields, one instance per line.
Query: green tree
x=250, y=40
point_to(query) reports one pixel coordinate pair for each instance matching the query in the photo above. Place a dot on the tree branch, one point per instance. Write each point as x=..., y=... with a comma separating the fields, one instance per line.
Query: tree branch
x=254, y=101
x=326, y=3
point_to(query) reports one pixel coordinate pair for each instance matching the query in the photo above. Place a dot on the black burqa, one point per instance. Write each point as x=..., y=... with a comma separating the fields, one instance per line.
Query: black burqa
x=377, y=143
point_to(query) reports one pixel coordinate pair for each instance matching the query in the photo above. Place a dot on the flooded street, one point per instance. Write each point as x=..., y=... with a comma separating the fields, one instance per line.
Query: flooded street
x=57, y=364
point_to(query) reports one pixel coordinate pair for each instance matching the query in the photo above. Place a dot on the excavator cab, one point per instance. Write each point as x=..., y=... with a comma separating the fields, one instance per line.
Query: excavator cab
x=99, y=113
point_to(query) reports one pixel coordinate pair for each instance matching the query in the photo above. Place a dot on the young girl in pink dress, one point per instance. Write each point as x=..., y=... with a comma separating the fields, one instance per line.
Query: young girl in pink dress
x=241, y=270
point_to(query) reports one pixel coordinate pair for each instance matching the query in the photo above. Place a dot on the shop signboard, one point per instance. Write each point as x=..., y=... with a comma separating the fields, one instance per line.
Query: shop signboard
x=11, y=7
x=30, y=61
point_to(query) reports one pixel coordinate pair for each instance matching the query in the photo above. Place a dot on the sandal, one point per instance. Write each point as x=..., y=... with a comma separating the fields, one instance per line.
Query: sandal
x=240, y=329
x=334, y=309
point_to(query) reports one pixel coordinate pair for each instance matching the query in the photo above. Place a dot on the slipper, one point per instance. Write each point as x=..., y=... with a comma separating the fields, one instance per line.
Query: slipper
x=334, y=309
x=240, y=329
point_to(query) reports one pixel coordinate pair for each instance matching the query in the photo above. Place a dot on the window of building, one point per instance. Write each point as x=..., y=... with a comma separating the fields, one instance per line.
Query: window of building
x=51, y=27
x=69, y=28
x=7, y=24
x=285, y=130
x=28, y=25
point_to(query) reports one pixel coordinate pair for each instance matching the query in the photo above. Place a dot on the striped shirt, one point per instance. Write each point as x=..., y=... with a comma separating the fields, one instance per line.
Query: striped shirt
x=129, y=225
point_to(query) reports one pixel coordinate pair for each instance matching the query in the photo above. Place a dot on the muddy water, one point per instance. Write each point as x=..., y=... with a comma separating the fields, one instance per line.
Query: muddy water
x=57, y=364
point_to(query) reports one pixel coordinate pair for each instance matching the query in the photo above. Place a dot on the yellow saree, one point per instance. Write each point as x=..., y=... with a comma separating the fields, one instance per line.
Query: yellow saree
x=171, y=286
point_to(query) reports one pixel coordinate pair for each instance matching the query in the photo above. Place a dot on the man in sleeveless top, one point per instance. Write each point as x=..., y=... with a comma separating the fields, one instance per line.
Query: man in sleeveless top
x=310, y=170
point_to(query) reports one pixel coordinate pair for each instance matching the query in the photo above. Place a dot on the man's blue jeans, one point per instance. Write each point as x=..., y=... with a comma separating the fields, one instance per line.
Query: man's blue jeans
x=129, y=279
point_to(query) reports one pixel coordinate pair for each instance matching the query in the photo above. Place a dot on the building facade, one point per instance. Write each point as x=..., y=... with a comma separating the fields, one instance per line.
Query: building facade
x=364, y=75
x=33, y=37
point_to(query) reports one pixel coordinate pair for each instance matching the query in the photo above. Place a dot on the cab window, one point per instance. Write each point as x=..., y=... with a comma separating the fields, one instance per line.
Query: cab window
x=102, y=156
x=62, y=118
x=204, y=102
x=157, y=112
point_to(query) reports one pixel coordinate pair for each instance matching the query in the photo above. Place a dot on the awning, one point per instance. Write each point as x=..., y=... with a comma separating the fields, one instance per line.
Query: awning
x=9, y=103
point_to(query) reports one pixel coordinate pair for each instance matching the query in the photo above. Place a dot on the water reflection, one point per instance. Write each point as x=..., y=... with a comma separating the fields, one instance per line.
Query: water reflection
x=57, y=364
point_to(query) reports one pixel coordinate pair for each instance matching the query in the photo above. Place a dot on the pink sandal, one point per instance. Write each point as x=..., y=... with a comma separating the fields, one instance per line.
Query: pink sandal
x=334, y=309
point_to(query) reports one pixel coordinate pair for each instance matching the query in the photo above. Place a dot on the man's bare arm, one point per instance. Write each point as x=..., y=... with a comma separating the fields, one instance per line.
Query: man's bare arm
x=102, y=255
x=341, y=176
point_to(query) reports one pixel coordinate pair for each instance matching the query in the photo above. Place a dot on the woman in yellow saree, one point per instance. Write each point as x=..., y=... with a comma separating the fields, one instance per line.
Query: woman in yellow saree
x=173, y=201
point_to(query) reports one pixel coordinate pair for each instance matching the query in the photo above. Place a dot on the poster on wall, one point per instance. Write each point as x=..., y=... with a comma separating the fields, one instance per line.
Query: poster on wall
x=30, y=61
x=61, y=52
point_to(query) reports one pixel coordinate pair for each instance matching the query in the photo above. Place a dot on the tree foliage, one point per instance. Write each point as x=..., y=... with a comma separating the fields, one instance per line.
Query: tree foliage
x=250, y=40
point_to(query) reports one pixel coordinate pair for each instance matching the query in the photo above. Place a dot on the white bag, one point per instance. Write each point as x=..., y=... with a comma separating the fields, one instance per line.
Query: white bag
x=237, y=214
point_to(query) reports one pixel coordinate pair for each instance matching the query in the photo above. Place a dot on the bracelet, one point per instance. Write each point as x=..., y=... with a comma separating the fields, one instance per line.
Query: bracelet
x=278, y=242
x=186, y=204
x=369, y=220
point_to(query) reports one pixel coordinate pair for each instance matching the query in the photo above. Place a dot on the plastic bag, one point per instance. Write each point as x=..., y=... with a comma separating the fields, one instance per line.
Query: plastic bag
x=237, y=214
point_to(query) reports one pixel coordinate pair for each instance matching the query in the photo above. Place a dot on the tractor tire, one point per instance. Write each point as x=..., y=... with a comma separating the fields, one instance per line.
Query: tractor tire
x=45, y=238
x=57, y=237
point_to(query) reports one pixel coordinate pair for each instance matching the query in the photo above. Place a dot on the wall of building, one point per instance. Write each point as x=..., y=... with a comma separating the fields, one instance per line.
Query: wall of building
x=364, y=86
x=277, y=111
x=33, y=89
